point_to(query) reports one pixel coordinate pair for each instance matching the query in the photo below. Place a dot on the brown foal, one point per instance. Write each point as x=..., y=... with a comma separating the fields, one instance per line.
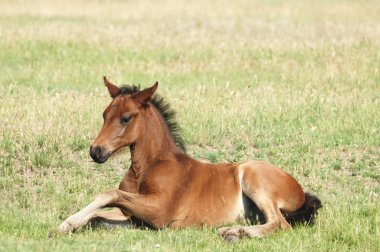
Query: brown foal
x=164, y=187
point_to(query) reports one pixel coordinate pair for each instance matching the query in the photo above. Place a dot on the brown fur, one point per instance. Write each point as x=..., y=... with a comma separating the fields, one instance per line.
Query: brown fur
x=166, y=188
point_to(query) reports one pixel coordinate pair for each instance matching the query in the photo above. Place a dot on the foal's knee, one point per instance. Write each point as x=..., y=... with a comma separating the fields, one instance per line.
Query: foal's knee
x=108, y=197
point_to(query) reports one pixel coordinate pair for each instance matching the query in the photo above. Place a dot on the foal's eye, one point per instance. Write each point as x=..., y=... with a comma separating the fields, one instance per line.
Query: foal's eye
x=125, y=119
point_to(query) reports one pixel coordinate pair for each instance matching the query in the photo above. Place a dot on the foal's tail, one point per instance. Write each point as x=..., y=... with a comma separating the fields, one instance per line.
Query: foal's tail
x=306, y=214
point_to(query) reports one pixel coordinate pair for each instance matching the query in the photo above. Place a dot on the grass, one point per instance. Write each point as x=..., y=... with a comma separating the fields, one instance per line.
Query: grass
x=295, y=83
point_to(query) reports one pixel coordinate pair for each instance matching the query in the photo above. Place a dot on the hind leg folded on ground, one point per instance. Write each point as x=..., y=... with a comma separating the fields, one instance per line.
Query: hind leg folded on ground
x=270, y=189
x=274, y=221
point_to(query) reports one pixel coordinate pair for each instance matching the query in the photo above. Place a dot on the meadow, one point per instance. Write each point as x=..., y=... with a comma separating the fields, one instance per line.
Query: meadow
x=294, y=83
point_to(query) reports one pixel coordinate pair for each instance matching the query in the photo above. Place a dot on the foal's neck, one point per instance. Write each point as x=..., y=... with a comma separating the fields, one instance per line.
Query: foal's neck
x=154, y=142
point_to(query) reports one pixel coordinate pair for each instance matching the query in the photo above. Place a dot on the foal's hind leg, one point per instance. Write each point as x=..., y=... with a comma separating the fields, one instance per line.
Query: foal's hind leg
x=270, y=188
x=273, y=222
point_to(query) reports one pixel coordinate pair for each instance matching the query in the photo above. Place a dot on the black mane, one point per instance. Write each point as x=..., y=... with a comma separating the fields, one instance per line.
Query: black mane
x=165, y=110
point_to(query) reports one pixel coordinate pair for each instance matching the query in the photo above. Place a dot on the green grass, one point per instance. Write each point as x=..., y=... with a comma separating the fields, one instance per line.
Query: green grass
x=295, y=83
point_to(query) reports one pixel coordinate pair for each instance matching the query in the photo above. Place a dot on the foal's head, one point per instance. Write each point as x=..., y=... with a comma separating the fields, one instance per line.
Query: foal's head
x=122, y=121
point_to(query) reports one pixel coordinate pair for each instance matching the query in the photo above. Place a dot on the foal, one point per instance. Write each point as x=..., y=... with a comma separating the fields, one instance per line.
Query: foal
x=164, y=187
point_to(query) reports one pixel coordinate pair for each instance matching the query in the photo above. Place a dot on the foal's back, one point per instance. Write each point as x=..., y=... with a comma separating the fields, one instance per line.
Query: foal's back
x=215, y=194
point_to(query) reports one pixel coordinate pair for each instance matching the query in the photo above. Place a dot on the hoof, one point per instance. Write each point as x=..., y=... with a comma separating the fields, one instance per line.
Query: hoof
x=231, y=238
x=66, y=228
x=225, y=230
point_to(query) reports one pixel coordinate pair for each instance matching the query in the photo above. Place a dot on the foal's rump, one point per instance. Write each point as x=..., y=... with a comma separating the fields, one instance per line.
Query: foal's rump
x=304, y=215
x=269, y=187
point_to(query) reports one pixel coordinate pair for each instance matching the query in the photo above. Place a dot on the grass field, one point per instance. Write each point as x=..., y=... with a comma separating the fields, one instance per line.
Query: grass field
x=295, y=83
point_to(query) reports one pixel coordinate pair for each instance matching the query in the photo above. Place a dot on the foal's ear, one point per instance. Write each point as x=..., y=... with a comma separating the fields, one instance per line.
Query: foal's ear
x=144, y=96
x=112, y=89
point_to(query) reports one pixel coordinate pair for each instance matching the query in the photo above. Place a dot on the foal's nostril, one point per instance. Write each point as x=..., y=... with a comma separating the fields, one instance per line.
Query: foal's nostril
x=98, y=150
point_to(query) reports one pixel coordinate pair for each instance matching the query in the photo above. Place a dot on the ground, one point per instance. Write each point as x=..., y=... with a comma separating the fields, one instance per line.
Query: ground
x=294, y=83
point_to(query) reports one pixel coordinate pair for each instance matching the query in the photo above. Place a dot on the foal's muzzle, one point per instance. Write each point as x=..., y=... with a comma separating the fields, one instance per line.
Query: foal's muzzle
x=99, y=154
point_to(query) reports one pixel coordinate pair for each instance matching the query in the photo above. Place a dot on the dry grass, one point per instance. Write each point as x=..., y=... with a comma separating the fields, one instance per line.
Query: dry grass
x=258, y=24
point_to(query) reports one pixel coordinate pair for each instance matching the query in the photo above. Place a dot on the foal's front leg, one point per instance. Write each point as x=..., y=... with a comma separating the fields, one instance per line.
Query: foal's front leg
x=114, y=217
x=144, y=207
